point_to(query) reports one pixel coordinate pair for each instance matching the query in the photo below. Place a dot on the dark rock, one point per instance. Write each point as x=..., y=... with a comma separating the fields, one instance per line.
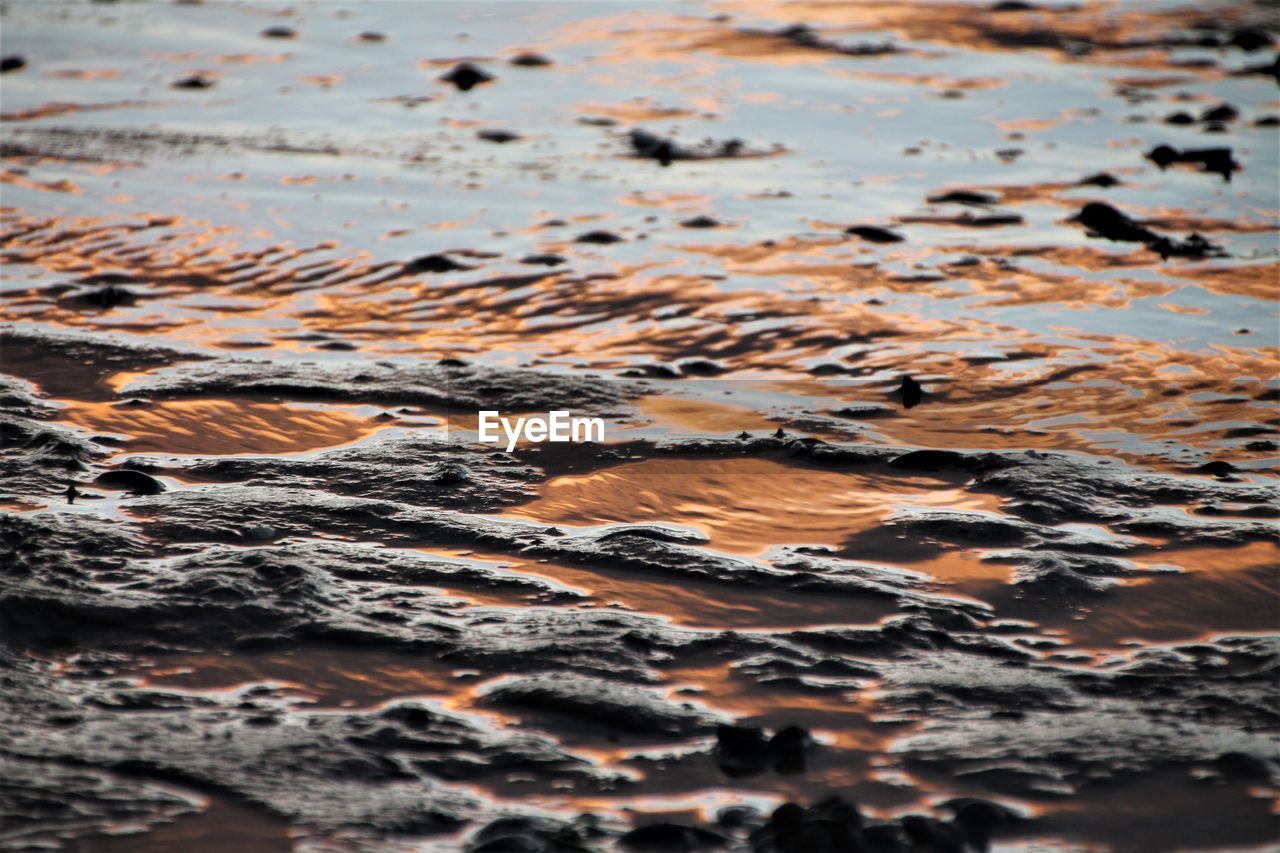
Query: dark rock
x=931, y=460
x=645, y=144
x=1222, y=112
x=1215, y=160
x=789, y=746
x=672, y=837
x=434, y=264
x=451, y=474
x=742, y=750
x=515, y=843
x=466, y=76
x=874, y=234
x=701, y=367
x=910, y=392
x=964, y=197
x=543, y=260
x=105, y=298
x=884, y=838
x=498, y=136
x=1103, y=220
x=838, y=810
x=12, y=63
x=599, y=238
x=279, y=32
x=968, y=220
x=979, y=820
x=787, y=825
x=1195, y=247
x=1243, y=766
x=372, y=37
x=666, y=151
x=700, y=222
x=830, y=826
x=134, y=482
x=195, y=81
x=530, y=60
x=1101, y=179
x=1180, y=118
x=1250, y=39
x=804, y=36
x=934, y=835
x=736, y=817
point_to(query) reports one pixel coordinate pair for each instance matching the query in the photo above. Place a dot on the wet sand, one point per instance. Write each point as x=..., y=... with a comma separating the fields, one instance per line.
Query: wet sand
x=262, y=587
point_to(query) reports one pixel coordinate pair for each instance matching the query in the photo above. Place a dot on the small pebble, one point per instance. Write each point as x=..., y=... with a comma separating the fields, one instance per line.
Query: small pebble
x=874, y=234
x=466, y=76
x=911, y=392
x=195, y=81
x=259, y=533
x=498, y=136
x=530, y=60
x=434, y=264
x=544, y=260
x=600, y=238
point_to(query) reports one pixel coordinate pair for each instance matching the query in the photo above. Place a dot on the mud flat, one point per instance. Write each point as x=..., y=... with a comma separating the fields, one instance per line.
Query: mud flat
x=937, y=506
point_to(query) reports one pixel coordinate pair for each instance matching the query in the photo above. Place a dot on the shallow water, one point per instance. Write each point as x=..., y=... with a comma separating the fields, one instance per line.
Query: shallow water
x=219, y=285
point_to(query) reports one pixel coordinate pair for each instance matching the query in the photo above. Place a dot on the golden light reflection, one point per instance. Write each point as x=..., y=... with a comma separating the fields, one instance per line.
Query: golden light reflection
x=690, y=603
x=1021, y=343
x=223, y=427
x=744, y=506
x=331, y=677
x=1220, y=591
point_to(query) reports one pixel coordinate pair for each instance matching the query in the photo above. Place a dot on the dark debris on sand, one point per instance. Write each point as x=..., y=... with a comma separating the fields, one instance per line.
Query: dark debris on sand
x=1214, y=160
x=435, y=264
x=1103, y=220
x=529, y=59
x=195, y=81
x=874, y=234
x=466, y=76
x=806, y=37
x=650, y=146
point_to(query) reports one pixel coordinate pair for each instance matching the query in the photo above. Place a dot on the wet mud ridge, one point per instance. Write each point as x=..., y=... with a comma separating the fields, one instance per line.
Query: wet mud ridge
x=936, y=506
x=296, y=558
